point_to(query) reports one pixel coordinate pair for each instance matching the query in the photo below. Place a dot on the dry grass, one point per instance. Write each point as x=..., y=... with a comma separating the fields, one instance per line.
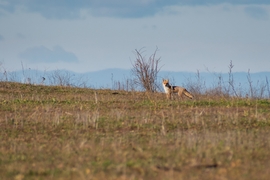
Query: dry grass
x=75, y=133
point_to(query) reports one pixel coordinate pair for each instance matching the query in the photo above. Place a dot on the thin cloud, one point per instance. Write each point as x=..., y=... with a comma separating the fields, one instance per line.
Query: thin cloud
x=8, y=5
x=61, y=9
x=257, y=12
x=42, y=54
x=20, y=35
x=1, y=38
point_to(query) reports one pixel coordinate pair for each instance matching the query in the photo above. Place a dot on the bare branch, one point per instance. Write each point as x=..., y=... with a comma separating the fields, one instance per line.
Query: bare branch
x=146, y=71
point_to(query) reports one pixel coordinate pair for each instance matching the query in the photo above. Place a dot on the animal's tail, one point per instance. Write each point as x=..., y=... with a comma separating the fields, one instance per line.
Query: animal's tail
x=188, y=94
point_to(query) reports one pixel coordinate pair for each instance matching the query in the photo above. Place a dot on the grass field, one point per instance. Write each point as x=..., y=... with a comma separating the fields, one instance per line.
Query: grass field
x=51, y=132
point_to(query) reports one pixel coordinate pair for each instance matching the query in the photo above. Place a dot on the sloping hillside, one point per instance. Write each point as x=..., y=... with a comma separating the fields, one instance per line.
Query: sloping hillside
x=54, y=132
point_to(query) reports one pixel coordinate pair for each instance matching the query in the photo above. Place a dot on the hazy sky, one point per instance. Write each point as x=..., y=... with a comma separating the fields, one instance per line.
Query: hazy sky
x=91, y=35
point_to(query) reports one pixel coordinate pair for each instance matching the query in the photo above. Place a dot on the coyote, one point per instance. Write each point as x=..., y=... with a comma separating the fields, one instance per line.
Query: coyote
x=169, y=90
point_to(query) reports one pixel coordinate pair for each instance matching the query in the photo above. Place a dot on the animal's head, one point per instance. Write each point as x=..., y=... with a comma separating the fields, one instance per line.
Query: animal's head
x=165, y=81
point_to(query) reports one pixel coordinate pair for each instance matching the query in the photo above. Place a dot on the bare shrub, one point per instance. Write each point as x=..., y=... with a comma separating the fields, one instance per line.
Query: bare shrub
x=197, y=86
x=217, y=89
x=258, y=90
x=126, y=85
x=3, y=73
x=267, y=86
x=61, y=78
x=146, y=71
x=66, y=78
x=231, y=87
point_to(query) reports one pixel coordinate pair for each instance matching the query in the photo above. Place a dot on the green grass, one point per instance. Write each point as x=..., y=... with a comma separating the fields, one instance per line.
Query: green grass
x=76, y=133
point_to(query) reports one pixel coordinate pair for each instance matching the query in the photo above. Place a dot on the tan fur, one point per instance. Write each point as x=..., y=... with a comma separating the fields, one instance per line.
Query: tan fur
x=169, y=90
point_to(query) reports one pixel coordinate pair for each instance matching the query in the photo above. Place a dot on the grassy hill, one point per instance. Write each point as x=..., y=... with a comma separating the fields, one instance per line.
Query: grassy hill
x=53, y=132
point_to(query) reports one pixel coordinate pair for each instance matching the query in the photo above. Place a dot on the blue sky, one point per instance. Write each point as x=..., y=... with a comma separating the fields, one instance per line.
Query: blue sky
x=91, y=35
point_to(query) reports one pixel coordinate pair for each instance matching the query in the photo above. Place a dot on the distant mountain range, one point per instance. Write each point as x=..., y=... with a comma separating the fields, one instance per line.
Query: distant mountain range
x=120, y=78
